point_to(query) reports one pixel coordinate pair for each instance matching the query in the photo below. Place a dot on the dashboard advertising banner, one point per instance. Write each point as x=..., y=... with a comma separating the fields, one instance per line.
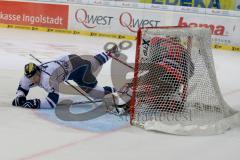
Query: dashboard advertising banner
x=24, y=13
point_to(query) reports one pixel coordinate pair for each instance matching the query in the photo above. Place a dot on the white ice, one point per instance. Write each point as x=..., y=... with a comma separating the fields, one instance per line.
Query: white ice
x=24, y=135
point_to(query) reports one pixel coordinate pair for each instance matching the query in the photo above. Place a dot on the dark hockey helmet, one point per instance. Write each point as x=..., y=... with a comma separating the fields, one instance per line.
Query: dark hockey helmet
x=30, y=70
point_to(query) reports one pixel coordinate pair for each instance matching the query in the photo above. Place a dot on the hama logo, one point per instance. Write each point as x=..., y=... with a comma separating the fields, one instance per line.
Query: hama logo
x=91, y=21
x=216, y=29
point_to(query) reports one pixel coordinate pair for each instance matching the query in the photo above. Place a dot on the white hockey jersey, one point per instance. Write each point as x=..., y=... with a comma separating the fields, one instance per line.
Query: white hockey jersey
x=52, y=74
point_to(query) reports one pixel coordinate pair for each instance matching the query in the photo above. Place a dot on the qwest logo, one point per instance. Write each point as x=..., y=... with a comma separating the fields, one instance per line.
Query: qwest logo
x=91, y=21
x=216, y=29
x=127, y=20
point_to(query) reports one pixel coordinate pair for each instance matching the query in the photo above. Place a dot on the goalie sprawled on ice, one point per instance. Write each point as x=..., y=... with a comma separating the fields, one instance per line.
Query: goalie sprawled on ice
x=50, y=74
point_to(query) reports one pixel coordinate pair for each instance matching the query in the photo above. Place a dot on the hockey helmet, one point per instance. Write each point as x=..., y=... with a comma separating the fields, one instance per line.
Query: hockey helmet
x=30, y=70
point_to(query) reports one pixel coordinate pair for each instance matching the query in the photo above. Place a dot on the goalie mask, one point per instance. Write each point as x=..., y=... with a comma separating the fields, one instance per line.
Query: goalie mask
x=30, y=70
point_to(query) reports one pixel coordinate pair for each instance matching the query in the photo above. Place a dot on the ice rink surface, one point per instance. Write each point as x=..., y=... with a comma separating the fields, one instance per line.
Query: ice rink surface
x=39, y=135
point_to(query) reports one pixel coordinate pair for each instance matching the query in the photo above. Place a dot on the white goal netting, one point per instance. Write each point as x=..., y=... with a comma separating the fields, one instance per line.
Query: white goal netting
x=175, y=89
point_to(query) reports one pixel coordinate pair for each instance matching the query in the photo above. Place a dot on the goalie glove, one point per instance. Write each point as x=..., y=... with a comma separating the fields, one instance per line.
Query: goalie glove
x=32, y=103
x=19, y=101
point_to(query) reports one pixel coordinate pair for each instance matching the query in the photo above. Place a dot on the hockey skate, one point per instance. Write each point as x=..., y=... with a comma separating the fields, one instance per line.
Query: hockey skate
x=113, y=51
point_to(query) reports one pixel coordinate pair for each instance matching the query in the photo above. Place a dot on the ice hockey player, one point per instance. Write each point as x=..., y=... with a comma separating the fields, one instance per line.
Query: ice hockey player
x=50, y=74
x=170, y=68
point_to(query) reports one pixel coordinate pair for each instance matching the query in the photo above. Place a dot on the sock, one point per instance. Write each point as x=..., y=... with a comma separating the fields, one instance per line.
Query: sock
x=102, y=58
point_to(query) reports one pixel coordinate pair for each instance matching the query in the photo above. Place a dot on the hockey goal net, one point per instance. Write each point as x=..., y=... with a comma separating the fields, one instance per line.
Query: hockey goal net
x=175, y=89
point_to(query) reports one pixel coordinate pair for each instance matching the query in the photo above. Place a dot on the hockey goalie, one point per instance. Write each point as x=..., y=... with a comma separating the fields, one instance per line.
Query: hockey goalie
x=49, y=75
x=165, y=73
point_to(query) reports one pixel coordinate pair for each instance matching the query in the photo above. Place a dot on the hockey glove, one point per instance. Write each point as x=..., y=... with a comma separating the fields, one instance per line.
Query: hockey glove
x=19, y=101
x=32, y=103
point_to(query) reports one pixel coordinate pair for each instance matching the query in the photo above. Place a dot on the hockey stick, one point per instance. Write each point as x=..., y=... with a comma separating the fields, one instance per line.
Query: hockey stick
x=120, y=61
x=82, y=102
x=79, y=91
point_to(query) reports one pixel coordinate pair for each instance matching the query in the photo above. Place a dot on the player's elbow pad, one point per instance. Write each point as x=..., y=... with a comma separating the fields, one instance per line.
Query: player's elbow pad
x=50, y=101
x=21, y=91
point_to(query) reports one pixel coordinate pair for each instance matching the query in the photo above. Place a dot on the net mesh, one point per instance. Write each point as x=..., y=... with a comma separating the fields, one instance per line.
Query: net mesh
x=175, y=87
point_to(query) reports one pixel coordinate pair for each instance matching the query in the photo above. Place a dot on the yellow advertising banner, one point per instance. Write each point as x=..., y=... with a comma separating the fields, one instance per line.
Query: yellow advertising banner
x=218, y=4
